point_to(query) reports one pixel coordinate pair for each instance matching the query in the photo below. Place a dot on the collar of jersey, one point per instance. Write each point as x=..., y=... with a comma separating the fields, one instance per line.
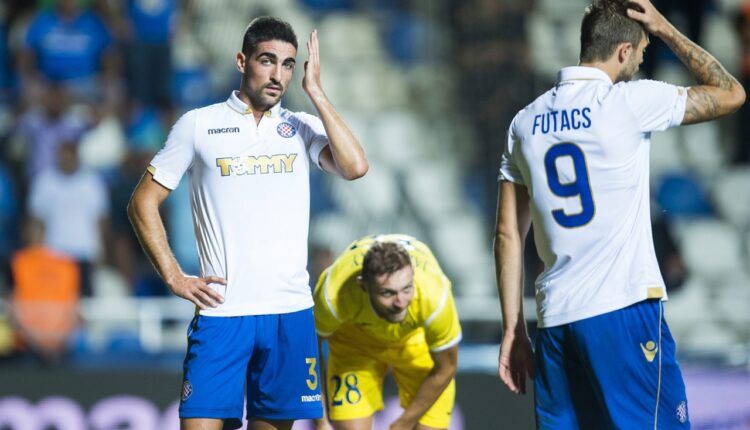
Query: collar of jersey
x=238, y=105
x=582, y=73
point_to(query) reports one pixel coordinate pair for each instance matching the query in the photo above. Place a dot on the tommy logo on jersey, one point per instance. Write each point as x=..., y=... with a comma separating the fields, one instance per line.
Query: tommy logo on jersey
x=286, y=130
x=251, y=164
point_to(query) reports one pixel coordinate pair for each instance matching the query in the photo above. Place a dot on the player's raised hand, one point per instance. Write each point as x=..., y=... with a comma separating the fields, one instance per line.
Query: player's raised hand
x=646, y=13
x=311, y=81
x=198, y=291
x=515, y=362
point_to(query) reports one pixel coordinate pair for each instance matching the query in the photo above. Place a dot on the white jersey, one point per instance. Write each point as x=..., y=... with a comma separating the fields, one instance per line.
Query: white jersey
x=250, y=196
x=582, y=151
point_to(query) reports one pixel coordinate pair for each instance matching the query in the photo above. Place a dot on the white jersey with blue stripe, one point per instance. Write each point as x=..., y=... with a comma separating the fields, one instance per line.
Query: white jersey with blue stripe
x=582, y=151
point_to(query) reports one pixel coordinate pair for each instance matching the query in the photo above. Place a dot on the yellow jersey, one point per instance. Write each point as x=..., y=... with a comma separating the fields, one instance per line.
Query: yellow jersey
x=343, y=310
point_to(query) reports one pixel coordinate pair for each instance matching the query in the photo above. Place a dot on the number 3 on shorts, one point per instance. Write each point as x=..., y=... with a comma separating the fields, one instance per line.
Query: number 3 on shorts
x=351, y=393
x=312, y=383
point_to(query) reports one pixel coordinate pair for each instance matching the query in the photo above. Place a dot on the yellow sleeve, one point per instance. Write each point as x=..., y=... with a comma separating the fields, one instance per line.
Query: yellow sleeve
x=442, y=328
x=327, y=319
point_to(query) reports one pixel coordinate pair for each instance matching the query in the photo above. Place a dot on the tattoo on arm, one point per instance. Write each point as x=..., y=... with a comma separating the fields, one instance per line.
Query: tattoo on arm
x=706, y=69
x=703, y=101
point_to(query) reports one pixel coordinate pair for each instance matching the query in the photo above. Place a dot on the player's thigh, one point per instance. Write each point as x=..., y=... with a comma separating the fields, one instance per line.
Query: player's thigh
x=410, y=368
x=424, y=427
x=354, y=381
x=630, y=355
x=201, y=424
x=261, y=424
x=353, y=424
x=218, y=352
x=283, y=375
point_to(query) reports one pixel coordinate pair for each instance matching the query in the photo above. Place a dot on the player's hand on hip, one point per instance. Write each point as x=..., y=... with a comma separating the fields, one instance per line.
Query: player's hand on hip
x=515, y=362
x=198, y=290
x=646, y=13
x=311, y=81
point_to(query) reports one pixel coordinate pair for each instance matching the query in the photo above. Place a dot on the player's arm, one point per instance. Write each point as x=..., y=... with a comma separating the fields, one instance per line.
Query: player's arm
x=143, y=211
x=512, y=226
x=718, y=93
x=443, y=371
x=344, y=155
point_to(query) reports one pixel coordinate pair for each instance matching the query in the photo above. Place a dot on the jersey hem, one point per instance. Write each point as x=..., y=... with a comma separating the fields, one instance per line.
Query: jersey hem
x=258, y=309
x=592, y=311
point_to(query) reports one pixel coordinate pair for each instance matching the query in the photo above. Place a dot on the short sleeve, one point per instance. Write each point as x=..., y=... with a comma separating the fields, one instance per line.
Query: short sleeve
x=314, y=134
x=175, y=158
x=442, y=328
x=327, y=320
x=656, y=105
x=509, y=170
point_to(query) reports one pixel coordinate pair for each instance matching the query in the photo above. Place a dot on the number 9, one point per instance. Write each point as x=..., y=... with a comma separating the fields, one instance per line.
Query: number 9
x=580, y=187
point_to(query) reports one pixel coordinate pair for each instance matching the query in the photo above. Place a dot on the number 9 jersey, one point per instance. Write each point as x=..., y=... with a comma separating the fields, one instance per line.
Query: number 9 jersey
x=582, y=152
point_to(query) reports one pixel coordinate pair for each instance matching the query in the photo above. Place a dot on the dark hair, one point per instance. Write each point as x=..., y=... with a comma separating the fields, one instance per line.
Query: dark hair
x=605, y=25
x=267, y=28
x=384, y=258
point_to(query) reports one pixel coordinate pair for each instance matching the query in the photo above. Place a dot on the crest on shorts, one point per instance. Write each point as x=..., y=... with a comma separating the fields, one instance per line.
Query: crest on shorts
x=187, y=390
x=682, y=413
x=286, y=130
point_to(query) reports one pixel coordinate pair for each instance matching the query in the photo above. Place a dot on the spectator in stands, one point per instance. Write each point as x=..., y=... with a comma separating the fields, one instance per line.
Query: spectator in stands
x=69, y=46
x=44, y=302
x=42, y=130
x=149, y=28
x=73, y=205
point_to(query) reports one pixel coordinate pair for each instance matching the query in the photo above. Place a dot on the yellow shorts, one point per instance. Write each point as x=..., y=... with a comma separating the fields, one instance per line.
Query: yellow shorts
x=355, y=376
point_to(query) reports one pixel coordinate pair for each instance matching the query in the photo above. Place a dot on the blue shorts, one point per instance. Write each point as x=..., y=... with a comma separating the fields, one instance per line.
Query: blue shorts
x=271, y=358
x=612, y=371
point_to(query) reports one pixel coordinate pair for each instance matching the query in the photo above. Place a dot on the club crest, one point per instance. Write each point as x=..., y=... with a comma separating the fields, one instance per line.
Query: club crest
x=286, y=130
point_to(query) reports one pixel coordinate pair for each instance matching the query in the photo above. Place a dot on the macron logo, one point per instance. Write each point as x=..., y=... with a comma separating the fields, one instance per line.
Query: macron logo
x=308, y=399
x=223, y=130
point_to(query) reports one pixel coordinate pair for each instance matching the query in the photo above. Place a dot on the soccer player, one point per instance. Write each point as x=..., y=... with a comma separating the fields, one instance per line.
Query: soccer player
x=248, y=163
x=383, y=303
x=576, y=165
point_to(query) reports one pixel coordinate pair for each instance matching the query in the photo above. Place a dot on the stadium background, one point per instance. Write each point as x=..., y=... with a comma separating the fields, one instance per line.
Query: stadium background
x=429, y=87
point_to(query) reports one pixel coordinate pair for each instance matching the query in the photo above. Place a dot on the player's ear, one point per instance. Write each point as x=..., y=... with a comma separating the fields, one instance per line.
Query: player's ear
x=624, y=51
x=240, y=61
x=361, y=283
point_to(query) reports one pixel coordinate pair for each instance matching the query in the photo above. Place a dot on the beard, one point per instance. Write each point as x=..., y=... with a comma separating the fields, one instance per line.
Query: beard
x=628, y=72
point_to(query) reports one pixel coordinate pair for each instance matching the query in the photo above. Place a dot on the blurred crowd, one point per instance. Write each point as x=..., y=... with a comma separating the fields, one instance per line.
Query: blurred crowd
x=88, y=91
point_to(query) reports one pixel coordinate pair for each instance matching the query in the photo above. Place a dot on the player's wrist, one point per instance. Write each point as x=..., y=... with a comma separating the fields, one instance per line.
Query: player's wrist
x=315, y=94
x=662, y=29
